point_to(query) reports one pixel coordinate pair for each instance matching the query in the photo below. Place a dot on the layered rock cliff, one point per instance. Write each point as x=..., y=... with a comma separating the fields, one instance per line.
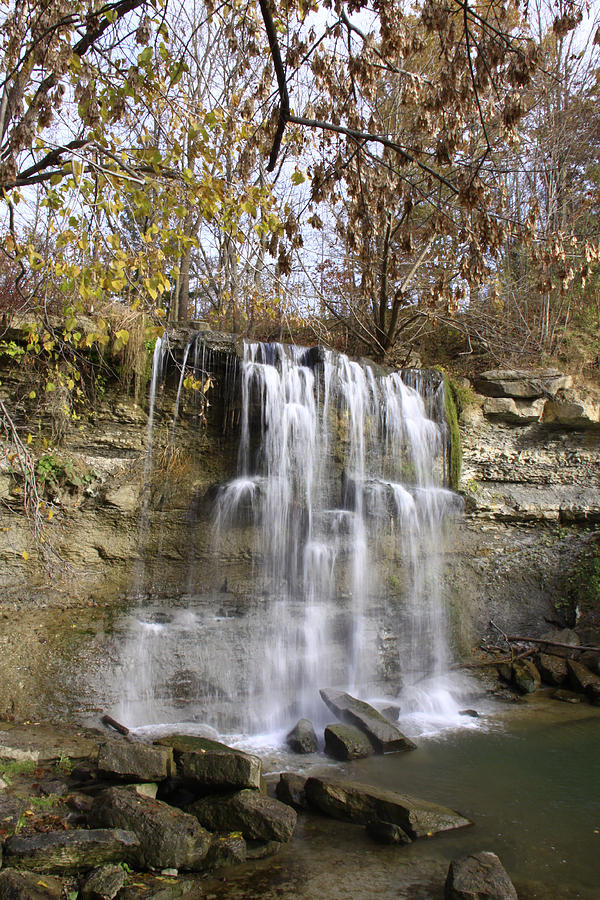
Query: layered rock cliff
x=125, y=525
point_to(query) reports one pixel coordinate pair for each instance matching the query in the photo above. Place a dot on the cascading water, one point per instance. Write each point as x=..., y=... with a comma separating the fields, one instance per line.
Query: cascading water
x=340, y=495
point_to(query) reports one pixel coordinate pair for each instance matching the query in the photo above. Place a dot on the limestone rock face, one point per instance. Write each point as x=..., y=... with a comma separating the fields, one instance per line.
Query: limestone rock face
x=361, y=803
x=70, y=851
x=479, y=877
x=168, y=837
x=385, y=737
x=259, y=818
x=211, y=764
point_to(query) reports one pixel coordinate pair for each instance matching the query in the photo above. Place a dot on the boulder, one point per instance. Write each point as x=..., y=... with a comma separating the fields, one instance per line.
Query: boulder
x=387, y=833
x=580, y=677
x=347, y=742
x=290, y=790
x=553, y=669
x=135, y=761
x=211, y=764
x=386, y=738
x=572, y=410
x=257, y=817
x=526, y=677
x=480, y=876
x=168, y=837
x=103, y=883
x=72, y=851
x=22, y=885
x=302, y=738
x=513, y=412
x=521, y=384
x=225, y=850
x=361, y=803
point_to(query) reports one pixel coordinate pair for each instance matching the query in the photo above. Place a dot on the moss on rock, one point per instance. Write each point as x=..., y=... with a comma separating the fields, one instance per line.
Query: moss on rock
x=451, y=404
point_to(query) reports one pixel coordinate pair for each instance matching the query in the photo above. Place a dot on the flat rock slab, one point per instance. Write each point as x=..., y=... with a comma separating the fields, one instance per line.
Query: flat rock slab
x=168, y=837
x=257, y=817
x=211, y=764
x=134, y=760
x=347, y=742
x=71, y=851
x=386, y=738
x=46, y=743
x=479, y=877
x=521, y=384
x=302, y=737
x=361, y=803
x=20, y=885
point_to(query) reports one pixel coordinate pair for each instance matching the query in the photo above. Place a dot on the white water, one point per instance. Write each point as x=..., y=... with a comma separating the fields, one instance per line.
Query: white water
x=340, y=486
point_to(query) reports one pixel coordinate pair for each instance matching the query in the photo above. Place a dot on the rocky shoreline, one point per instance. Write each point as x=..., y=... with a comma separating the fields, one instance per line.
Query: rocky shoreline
x=97, y=817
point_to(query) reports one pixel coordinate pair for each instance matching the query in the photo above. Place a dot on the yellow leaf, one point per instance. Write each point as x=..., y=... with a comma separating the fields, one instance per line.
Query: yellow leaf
x=25, y=555
x=32, y=395
x=50, y=514
x=29, y=438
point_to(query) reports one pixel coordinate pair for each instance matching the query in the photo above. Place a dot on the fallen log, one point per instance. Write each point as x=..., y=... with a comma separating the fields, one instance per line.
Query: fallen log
x=112, y=723
x=529, y=640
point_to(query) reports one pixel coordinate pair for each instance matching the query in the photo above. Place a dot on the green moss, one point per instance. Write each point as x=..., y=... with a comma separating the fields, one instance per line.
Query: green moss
x=452, y=409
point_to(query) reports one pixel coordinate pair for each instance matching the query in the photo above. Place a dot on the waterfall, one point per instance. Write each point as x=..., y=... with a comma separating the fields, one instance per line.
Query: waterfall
x=338, y=507
x=340, y=474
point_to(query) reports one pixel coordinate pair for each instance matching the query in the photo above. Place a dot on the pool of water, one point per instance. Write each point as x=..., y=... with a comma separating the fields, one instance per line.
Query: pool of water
x=529, y=778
